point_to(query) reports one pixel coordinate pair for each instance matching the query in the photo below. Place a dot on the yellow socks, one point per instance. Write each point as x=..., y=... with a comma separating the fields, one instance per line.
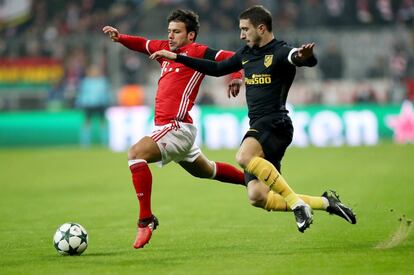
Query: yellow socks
x=316, y=203
x=267, y=173
x=276, y=202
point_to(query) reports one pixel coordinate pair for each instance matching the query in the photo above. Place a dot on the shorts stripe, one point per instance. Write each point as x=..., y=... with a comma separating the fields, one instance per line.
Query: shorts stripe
x=163, y=132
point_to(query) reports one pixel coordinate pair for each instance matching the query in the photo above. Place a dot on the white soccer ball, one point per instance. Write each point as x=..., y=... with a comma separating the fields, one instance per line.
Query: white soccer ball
x=70, y=239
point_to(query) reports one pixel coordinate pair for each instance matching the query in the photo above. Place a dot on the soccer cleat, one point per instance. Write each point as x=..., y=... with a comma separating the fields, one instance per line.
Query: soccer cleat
x=145, y=229
x=303, y=216
x=336, y=207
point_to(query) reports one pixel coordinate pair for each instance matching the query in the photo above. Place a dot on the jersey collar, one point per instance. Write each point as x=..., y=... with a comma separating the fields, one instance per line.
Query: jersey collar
x=185, y=48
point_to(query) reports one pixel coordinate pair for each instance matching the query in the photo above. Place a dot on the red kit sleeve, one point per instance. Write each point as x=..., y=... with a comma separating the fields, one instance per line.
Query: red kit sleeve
x=141, y=44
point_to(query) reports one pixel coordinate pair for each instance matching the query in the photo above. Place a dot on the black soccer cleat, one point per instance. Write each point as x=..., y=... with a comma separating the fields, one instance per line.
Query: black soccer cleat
x=336, y=207
x=303, y=216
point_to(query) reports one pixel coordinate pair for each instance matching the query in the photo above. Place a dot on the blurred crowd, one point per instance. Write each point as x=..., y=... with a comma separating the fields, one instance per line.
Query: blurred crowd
x=54, y=18
x=66, y=30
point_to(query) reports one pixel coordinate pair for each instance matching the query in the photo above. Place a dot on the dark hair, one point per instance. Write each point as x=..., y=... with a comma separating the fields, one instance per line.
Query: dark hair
x=258, y=15
x=188, y=17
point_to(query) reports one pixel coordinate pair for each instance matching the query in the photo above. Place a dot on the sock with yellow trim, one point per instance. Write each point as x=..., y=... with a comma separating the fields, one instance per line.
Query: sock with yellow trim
x=276, y=202
x=316, y=203
x=267, y=173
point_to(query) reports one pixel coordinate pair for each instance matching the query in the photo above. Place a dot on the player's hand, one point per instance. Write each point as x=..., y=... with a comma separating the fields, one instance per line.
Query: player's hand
x=306, y=51
x=112, y=32
x=163, y=54
x=234, y=87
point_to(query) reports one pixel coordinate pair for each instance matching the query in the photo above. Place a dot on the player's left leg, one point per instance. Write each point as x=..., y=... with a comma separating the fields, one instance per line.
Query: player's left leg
x=260, y=196
x=251, y=157
x=140, y=155
x=202, y=167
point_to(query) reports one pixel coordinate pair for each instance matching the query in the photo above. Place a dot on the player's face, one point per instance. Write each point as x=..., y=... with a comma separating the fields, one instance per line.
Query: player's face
x=249, y=33
x=178, y=35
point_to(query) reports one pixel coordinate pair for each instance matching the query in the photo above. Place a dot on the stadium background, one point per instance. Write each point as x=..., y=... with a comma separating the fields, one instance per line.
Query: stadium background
x=354, y=96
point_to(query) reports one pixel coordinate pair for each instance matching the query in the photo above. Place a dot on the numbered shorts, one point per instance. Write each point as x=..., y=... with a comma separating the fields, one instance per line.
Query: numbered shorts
x=176, y=141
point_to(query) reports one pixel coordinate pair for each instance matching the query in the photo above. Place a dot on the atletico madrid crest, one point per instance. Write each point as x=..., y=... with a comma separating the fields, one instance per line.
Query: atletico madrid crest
x=268, y=59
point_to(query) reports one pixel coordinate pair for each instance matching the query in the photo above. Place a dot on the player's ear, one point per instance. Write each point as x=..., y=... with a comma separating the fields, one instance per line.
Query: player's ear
x=261, y=28
x=191, y=36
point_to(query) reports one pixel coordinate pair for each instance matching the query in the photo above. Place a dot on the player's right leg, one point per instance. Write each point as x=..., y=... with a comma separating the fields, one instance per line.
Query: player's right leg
x=139, y=155
x=202, y=167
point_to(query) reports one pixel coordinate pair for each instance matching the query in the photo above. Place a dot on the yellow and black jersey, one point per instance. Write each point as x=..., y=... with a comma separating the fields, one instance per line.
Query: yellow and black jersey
x=268, y=77
x=269, y=72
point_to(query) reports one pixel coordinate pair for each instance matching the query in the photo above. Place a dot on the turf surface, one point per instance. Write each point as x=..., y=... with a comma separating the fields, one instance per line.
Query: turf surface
x=206, y=227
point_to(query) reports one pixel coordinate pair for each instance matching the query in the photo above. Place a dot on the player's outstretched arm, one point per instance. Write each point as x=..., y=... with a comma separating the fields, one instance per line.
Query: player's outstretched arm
x=236, y=78
x=112, y=32
x=204, y=66
x=304, y=56
x=135, y=43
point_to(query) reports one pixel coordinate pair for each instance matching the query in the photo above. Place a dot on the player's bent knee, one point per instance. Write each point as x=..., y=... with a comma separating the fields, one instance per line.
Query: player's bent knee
x=131, y=154
x=138, y=153
x=243, y=159
x=256, y=195
x=257, y=202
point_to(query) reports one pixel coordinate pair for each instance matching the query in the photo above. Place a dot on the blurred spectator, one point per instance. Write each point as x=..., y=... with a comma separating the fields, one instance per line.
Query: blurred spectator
x=405, y=12
x=311, y=13
x=331, y=63
x=337, y=12
x=205, y=98
x=131, y=66
x=93, y=98
x=131, y=95
x=379, y=69
x=74, y=71
x=365, y=94
x=288, y=13
x=204, y=11
x=384, y=11
x=363, y=12
x=225, y=15
x=55, y=98
x=399, y=61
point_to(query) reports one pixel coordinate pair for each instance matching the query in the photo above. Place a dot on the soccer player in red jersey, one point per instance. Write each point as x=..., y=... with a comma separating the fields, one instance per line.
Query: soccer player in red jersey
x=174, y=136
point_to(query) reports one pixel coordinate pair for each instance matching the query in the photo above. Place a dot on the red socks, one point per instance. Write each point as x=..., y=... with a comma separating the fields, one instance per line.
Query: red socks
x=228, y=173
x=142, y=180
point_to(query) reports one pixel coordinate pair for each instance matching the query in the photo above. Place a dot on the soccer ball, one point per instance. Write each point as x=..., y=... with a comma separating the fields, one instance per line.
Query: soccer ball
x=70, y=239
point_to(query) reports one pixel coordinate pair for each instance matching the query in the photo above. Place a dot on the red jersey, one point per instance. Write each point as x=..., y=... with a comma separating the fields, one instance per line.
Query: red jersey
x=178, y=85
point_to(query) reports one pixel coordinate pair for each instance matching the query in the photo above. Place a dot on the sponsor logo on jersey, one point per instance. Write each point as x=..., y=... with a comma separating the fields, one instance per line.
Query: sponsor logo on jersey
x=256, y=79
x=268, y=60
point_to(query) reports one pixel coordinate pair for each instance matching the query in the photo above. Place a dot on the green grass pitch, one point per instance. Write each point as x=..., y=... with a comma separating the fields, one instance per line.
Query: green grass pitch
x=206, y=227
